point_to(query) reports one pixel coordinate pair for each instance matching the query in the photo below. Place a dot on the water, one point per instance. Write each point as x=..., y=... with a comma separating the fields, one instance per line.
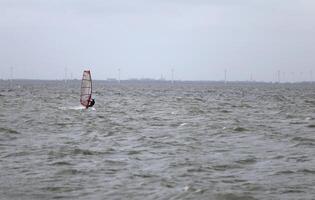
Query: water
x=157, y=141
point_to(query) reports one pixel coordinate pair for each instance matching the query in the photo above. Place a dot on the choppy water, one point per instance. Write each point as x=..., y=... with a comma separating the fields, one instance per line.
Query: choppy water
x=157, y=141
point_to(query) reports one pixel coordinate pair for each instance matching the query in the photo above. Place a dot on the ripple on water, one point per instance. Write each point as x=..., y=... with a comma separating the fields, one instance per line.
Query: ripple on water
x=85, y=152
x=240, y=129
x=70, y=172
x=226, y=167
x=311, y=126
x=8, y=134
x=60, y=163
x=233, y=196
x=8, y=131
x=303, y=141
x=284, y=172
x=17, y=154
x=158, y=141
x=247, y=161
x=307, y=171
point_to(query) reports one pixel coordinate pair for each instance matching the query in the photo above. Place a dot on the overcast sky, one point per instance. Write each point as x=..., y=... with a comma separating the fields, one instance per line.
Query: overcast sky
x=147, y=38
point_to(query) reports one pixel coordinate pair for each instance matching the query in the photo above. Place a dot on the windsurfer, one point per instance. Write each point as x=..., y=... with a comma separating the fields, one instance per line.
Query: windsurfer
x=91, y=104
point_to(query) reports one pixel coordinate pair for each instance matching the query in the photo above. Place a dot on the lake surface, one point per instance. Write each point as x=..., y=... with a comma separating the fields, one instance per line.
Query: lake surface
x=155, y=140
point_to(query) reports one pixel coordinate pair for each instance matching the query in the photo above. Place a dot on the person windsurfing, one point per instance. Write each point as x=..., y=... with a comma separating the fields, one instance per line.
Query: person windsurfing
x=91, y=103
x=86, y=90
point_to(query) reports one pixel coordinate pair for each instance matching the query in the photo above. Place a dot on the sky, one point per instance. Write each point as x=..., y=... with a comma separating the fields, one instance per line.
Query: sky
x=198, y=39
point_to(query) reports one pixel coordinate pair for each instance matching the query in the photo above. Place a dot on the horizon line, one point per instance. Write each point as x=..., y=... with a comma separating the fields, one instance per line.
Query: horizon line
x=156, y=80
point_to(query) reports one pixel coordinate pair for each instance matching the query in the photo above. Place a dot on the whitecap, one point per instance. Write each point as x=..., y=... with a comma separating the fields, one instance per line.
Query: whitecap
x=72, y=108
x=183, y=124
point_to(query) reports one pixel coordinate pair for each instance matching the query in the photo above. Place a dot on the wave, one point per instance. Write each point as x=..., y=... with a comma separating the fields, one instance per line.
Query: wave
x=75, y=108
x=8, y=130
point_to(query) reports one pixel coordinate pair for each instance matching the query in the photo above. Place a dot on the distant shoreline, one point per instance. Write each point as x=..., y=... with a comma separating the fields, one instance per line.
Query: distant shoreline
x=156, y=81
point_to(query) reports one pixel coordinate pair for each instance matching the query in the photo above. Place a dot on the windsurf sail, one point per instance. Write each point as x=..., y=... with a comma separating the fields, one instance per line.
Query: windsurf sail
x=86, y=88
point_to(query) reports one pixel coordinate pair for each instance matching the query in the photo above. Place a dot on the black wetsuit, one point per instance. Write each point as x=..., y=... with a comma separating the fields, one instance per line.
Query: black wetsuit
x=92, y=102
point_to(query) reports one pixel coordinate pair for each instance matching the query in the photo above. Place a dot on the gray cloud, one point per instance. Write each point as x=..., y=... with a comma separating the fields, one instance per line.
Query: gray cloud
x=147, y=38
